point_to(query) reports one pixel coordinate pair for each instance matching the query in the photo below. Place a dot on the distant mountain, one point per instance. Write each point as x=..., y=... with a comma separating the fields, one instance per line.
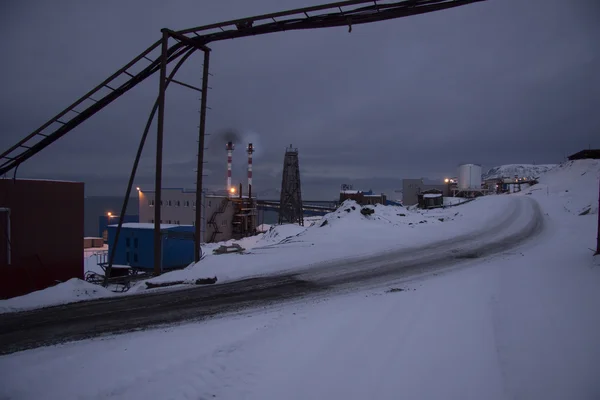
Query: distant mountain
x=520, y=170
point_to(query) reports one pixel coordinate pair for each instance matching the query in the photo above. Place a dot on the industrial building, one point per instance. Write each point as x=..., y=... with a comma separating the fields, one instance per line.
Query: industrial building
x=469, y=181
x=432, y=198
x=136, y=239
x=229, y=214
x=412, y=188
x=362, y=198
x=41, y=233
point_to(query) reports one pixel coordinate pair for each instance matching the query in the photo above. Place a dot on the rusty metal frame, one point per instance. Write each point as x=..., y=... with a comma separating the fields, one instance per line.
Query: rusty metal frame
x=136, y=162
x=356, y=12
x=362, y=11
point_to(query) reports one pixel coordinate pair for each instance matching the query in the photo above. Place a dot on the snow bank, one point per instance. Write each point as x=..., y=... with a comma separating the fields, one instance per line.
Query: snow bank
x=574, y=184
x=70, y=291
x=343, y=234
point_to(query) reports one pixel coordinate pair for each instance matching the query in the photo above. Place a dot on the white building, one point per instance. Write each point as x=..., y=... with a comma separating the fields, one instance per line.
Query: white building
x=179, y=208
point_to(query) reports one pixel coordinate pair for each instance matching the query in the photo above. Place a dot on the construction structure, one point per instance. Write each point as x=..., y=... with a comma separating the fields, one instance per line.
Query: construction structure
x=176, y=47
x=290, y=204
x=412, y=188
x=469, y=182
x=229, y=214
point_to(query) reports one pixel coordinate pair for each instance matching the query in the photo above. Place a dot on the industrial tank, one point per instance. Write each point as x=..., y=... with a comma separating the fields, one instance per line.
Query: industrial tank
x=469, y=176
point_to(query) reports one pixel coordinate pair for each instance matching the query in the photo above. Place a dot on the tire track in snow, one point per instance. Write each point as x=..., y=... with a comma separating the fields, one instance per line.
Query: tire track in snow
x=79, y=321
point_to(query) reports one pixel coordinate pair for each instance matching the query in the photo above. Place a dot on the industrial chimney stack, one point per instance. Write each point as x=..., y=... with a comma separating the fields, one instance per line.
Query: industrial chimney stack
x=229, y=148
x=250, y=150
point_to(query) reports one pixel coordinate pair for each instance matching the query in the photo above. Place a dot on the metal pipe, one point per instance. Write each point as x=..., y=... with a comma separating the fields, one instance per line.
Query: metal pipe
x=136, y=162
x=200, y=167
x=159, y=148
x=8, y=243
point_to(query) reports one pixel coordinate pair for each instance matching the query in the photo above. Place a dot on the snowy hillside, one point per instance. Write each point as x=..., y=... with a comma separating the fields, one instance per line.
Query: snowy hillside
x=523, y=324
x=575, y=185
x=521, y=170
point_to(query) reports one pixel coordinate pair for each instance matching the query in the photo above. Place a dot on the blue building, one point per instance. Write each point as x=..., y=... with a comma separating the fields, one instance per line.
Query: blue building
x=136, y=245
x=105, y=220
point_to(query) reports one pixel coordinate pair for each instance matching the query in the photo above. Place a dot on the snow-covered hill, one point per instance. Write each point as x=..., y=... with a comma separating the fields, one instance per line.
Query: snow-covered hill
x=521, y=170
x=574, y=184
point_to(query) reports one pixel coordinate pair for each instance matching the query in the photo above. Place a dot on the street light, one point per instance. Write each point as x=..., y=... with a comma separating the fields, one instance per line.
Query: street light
x=109, y=214
x=232, y=190
x=446, y=180
x=138, y=189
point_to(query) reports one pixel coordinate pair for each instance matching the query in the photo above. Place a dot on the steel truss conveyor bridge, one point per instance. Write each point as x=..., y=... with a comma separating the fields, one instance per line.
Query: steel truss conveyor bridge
x=309, y=208
x=175, y=47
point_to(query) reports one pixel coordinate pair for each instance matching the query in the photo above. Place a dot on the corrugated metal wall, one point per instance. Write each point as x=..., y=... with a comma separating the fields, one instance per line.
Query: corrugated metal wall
x=46, y=234
x=136, y=246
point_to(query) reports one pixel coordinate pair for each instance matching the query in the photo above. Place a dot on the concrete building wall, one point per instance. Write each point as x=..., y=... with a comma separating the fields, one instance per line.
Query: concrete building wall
x=179, y=208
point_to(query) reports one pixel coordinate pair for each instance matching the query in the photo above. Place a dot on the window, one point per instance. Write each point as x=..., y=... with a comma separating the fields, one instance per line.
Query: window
x=187, y=203
x=135, y=245
x=210, y=203
x=127, y=257
x=151, y=202
x=168, y=221
x=161, y=203
x=151, y=221
x=177, y=203
x=169, y=203
x=194, y=204
x=135, y=257
x=127, y=242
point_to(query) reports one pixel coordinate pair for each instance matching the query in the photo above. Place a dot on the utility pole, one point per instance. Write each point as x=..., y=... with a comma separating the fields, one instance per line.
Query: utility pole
x=159, y=148
x=200, y=168
x=598, y=232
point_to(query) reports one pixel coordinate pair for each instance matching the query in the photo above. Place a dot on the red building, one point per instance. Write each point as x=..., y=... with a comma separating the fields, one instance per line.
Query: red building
x=41, y=234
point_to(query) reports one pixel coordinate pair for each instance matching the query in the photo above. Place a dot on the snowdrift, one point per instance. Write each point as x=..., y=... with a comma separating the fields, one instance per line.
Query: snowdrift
x=349, y=232
x=70, y=291
x=574, y=183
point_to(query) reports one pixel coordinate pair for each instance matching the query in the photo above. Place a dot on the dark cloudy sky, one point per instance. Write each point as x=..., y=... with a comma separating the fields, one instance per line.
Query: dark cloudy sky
x=503, y=81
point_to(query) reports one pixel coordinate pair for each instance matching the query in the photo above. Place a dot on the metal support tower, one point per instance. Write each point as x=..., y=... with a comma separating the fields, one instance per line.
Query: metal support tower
x=290, y=205
x=200, y=168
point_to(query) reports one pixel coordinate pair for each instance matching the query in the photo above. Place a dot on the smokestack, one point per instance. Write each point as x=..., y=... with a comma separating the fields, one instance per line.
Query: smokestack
x=229, y=148
x=250, y=150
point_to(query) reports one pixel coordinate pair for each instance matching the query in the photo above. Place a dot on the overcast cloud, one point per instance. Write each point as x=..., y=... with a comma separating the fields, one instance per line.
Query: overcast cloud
x=498, y=82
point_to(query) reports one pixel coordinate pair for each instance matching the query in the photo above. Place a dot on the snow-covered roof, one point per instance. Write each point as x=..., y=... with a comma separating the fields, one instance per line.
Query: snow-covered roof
x=432, y=195
x=349, y=191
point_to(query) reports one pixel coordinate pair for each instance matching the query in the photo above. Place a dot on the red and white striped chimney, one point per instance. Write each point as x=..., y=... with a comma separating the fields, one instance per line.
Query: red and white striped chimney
x=250, y=150
x=229, y=148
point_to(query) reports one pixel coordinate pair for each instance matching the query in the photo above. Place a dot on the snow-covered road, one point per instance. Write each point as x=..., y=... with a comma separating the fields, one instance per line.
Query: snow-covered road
x=516, y=324
x=521, y=220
